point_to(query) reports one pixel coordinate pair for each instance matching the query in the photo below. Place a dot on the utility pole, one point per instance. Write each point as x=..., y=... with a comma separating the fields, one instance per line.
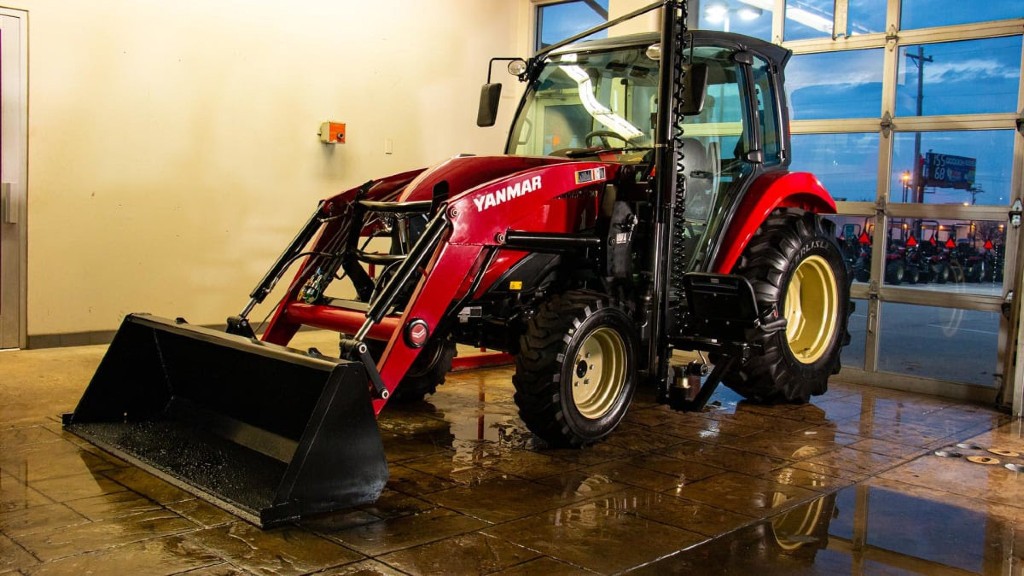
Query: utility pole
x=974, y=191
x=919, y=59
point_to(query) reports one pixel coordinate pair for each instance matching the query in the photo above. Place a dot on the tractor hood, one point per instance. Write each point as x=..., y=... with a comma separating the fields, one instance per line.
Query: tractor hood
x=449, y=179
x=462, y=173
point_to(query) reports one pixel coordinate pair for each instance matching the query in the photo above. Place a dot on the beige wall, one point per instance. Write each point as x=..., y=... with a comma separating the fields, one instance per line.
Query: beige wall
x=173, y=149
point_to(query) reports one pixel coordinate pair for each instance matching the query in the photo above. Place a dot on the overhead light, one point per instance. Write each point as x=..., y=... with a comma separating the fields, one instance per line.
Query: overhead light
x=749, y=13
x=715, y=12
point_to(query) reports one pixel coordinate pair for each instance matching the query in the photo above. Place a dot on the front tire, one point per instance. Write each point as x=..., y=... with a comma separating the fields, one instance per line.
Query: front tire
x=576, y=369
x=796, y=266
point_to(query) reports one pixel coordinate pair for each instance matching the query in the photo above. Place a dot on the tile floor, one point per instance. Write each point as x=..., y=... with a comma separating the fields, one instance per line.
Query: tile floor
x=850, y=483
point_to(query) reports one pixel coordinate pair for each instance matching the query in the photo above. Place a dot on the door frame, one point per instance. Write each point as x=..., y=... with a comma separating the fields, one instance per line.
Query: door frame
x=14, y=187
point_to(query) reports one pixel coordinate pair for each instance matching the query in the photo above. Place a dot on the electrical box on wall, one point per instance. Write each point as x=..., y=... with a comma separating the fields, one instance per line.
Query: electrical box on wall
x=332, y=133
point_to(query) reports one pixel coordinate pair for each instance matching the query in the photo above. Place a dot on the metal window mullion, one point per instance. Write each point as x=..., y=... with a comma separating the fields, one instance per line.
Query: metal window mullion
x=885, y=147
x=1013, y=373
x=978, y=31
x=892, y=16
x=778, y=21
x=844, y=208
x=962, y=301
x=814, y=45
x=946, y=211
x=847, y=126
x=840, y=19
x=995, y=121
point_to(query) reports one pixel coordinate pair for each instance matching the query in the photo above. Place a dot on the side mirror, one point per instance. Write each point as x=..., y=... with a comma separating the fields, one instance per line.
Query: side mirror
x=696, y=86
x=490, y=94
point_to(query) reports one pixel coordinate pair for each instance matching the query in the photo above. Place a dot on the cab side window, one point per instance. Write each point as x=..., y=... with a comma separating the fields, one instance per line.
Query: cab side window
x=767, y=112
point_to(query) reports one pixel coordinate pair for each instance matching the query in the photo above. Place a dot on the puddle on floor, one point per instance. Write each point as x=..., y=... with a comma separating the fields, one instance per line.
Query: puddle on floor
x=860, y=530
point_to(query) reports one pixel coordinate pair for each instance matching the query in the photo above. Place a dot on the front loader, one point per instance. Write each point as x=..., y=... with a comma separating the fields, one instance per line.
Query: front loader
x=643, y=205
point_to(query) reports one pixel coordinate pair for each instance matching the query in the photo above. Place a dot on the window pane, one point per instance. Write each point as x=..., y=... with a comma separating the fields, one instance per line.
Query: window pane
x=835, y=85
x=855, y=236
x=865, y=17
x=853, y=355
x=927, y=13
x=847, y=164
x=913, y=336
x=990, y=151
x=970, y=77
x=962, y=256
x=736, y=16
x=766, y=111
x=809, y=19
x=556, y=22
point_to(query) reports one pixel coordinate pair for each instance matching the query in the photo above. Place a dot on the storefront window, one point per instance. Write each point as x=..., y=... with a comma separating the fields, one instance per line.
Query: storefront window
x=912, y=336
x=928, y=13
x=946, y=255
x=835, y=85
x=865, y=17
x=969, y=77
x=807, y=19
x=964, y=167
x=741, y=17
x=847, y=164
x=556, y=22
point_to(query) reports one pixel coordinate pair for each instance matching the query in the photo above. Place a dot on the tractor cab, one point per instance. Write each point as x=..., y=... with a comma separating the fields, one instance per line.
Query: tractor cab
x=599, y=101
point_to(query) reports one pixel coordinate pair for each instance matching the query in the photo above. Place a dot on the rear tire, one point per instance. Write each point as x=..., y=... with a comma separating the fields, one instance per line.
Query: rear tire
x=913, y=275
x=894, y=272
x=977, y=271
x=956, y=272
x=863, y=269
x=795, y=264
x=576, y=368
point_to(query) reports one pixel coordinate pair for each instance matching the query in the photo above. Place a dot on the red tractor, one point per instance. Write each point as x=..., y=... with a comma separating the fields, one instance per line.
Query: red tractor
x=643, y=204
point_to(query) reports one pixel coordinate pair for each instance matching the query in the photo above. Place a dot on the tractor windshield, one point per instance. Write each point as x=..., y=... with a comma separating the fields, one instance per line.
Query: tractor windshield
x=606, y=103
x=582, y=101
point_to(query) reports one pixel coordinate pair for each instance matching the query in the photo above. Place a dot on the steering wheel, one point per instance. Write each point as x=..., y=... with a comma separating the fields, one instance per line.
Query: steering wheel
x=604, y=135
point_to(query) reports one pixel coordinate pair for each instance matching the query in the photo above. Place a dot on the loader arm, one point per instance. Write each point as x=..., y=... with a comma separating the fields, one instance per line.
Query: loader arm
x=550, y=202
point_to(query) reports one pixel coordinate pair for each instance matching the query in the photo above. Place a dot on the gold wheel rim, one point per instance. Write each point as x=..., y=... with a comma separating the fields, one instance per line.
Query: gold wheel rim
x=598, y=373
x=811, y=309
x=791, y=529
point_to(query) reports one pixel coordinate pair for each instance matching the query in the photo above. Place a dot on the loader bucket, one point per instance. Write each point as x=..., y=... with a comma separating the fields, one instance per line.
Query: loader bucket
x=269, y=433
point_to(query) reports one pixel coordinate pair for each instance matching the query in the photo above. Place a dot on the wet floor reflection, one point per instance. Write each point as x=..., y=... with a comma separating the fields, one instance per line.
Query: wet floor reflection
x=849, y=483
x=863, y=529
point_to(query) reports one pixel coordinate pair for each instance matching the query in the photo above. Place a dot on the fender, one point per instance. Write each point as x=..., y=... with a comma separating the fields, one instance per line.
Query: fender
x=770, y=191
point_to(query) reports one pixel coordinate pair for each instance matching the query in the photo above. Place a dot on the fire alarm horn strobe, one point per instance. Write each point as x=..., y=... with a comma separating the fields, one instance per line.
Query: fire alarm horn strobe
x=332, y=133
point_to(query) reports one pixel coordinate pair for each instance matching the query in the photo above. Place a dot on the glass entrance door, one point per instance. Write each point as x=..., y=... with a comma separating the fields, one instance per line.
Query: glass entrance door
x=13, y=128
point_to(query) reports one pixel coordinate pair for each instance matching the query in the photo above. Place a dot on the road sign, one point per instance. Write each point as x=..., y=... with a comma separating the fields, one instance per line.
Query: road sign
x=948, y=171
